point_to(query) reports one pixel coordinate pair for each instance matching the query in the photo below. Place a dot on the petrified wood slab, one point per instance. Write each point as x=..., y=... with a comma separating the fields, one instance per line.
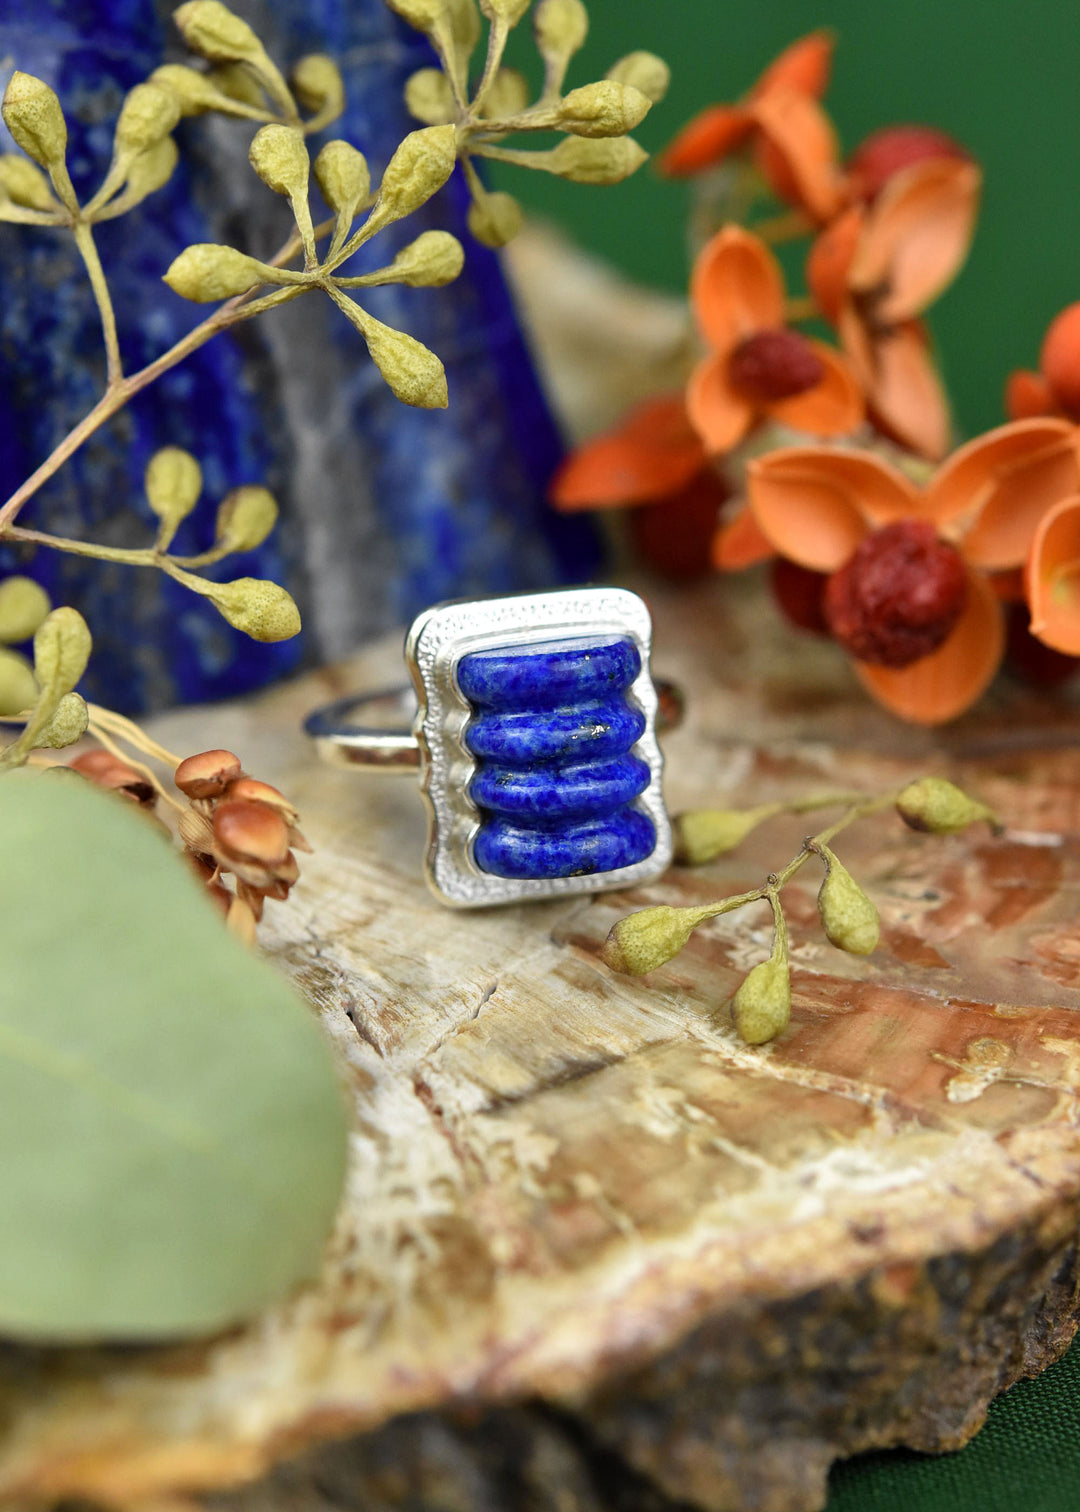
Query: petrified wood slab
x=596, y=1253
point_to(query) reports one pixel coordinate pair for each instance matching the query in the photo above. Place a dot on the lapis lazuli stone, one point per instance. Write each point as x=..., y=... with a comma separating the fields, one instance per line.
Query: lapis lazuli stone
x=556, y=778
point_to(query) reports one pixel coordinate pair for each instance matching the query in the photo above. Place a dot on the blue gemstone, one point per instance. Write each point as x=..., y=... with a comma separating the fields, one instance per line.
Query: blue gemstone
x=522, y=736
x=548, y=794
x=548, y=676
x=575, y=850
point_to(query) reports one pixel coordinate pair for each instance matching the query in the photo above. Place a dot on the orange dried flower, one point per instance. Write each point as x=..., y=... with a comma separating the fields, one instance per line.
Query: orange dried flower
x=1055, y=388
x=992, y=501
x=757, y=367
x=885, y=153
x=874, y=271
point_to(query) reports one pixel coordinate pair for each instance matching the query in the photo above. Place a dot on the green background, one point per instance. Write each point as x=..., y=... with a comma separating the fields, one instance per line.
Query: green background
x=1003, y=78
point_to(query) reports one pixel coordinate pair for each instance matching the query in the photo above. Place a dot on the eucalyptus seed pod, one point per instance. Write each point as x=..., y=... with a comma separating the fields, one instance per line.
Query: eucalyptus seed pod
x=279, y=156
x=423, y=14
x=420, y=166
x=599, y=161
x=150, y=171
x=848, y=917
x=435, y=258
x=317, y=83
x=62, y=648
x=245, y=518
x=495, y=218
x=935, y=805
x=508, y=95
x=25, y=185
x=645, y=71
x=150, y=112
x=508, y=12
x=23, y=606
x=68, y=724
x=214, y=32
x=603, y=109
x=259, y=608
x=429, y=97
x=341, y=173
x=18, y=686
x=561, y=27
x=703, y=834
x=762, y=1005
x=207, y=272
x=173, y=484
x=32, y=114
x=647, y=939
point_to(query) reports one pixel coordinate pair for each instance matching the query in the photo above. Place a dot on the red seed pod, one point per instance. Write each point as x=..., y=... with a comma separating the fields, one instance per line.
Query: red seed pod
x=251, y=832
x=898, y=597
x=800, y=592
x=675, y=535
x=772, y=365
x=1029, y=658
x=205, y=774
x=888, y=151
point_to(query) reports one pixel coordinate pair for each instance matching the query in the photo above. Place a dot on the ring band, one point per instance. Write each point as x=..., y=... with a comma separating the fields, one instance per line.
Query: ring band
x=533, y=734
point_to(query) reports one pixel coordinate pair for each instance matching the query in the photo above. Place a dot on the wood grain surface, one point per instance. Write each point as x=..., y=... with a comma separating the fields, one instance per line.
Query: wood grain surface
x=595, y=1252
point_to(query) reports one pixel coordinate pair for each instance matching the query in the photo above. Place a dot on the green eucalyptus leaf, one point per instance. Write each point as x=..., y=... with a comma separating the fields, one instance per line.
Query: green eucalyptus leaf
x=172, y=1132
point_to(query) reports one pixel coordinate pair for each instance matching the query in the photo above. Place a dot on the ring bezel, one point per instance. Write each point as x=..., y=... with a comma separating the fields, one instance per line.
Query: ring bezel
x=435, y=645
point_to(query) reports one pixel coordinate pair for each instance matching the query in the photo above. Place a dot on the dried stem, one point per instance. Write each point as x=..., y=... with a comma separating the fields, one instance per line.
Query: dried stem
x=84, y=240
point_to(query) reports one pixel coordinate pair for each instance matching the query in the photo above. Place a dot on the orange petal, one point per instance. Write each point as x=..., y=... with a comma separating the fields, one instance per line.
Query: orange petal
x=833, y=407
x=1028, y=394
x=1001, y=484
x=736, y=288
x=1060, y=357
x=952, y=678
x=815, y=504
x=1053, y=578
x=829, y=260
x=706, y=139
x=917, y=236
x=654, y=452
x=904, y=390
x=740, y=543
x=798, y=152
x=804, y=66
x=718, y=412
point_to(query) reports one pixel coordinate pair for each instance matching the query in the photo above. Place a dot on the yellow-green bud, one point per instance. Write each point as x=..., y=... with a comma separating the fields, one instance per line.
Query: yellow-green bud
x=561, y=27
x=435, y=258
x=508, y=95
x=495, y=219
x=421, y=165
x=67, y=725
x=279, y=156
x=149, y=113
x=606, y=161
x=762, y=1005
x=260, y=609
x=703, y=834
x=25, y=185
x=317, y=83
x=429, y=97
x=848, y=917
x=414, y=374
x=195, y=92
x=343, y=178
x=150, y=170
x=423, y=14
x=33, y=115
x=245, y=517
x=941, y=808
x=645, y=71
x=464, y=27
x=603, y=109
x=508, y=12
x=23, y=606
x=647, y=939
x=211, y=30
x=206, y=272
x=62, y=648
x=18, y=686
x=237, y=83
x=173, y=483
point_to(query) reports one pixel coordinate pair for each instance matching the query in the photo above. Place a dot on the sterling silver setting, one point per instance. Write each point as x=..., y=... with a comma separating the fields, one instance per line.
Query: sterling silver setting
x=434, y=750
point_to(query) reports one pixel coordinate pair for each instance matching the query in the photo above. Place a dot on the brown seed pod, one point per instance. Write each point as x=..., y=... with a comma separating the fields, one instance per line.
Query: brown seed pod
x=206, y=774
x=251, y=832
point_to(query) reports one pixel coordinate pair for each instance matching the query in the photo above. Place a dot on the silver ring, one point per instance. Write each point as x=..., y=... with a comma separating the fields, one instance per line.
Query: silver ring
x=531, y=722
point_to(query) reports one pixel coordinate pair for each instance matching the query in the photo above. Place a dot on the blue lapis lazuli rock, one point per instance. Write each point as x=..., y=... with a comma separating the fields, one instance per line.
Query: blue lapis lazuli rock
x=556, y=778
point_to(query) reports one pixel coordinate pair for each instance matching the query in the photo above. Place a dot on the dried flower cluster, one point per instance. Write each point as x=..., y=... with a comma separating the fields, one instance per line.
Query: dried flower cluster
x=924, y=562
x=594, y=119
x=761, y=1007
x=230, y=824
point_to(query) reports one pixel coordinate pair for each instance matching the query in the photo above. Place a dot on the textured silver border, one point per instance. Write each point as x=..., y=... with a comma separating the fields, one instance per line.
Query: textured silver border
x=436, y=642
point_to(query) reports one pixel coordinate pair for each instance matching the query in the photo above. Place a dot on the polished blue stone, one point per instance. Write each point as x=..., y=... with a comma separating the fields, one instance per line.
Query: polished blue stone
x=604, y=728
x=548, y=675
x=548, y=794
x=575, y=850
